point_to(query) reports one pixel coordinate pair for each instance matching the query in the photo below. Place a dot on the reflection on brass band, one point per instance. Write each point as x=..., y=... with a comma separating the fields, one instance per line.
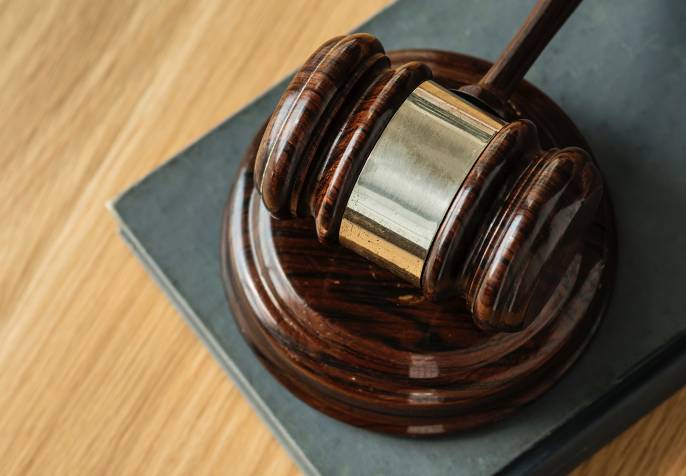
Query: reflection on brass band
x=411, y=177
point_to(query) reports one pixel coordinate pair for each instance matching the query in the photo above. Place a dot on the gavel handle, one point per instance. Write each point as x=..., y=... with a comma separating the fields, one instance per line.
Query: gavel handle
x=496, y=87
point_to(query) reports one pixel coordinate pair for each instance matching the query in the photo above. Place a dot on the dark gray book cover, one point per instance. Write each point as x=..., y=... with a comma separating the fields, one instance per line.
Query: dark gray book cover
x=618, y=68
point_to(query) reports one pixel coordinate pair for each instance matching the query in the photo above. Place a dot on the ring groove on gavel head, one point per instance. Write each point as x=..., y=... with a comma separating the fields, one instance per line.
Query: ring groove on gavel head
x=381, y=150
x=347, y=82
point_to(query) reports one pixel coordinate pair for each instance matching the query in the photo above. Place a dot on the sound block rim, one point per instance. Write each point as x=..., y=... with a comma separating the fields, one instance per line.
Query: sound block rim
x=304, y=352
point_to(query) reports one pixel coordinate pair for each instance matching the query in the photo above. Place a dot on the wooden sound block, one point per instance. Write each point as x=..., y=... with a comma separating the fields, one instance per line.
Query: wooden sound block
x=363, y=346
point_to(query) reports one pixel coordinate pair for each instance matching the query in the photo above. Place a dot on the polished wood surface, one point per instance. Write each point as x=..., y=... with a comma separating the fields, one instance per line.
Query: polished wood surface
x=515, y=226
x=320, y=90
x=325, y=126
x=361, y=344
x=98, y=373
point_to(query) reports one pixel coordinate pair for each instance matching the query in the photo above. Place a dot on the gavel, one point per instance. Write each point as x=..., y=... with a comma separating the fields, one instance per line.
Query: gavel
x=428, y=164
x=449, y=190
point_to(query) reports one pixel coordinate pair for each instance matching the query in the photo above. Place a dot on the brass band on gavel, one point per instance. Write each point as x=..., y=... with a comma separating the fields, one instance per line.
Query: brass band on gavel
x=411, y=177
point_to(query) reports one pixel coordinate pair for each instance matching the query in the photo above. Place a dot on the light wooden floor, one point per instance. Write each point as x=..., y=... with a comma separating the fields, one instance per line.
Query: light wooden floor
x=98, y=374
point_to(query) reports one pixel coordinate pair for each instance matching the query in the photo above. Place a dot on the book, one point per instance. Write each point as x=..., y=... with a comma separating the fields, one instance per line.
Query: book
x=617, y=70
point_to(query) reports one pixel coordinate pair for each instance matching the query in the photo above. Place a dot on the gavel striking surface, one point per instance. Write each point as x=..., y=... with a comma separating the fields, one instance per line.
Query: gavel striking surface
x=364, y=346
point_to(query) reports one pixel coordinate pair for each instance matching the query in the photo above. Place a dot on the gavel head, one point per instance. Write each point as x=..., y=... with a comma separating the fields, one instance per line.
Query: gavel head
x=426, y=184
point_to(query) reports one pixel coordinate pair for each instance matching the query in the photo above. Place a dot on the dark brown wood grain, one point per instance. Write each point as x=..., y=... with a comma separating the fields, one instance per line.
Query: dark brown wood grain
x=513, y=229
x=367, y=348
x=447, y=273
x=341, y=164
x=323, y=128
x=319, y=90
x=535, y=236
x=497, y=85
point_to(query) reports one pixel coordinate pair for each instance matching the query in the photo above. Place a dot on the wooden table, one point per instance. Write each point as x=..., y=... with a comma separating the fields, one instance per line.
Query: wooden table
x=98, y=373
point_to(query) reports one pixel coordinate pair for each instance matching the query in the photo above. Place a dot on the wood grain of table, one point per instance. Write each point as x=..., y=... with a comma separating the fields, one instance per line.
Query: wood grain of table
x=98, y=373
